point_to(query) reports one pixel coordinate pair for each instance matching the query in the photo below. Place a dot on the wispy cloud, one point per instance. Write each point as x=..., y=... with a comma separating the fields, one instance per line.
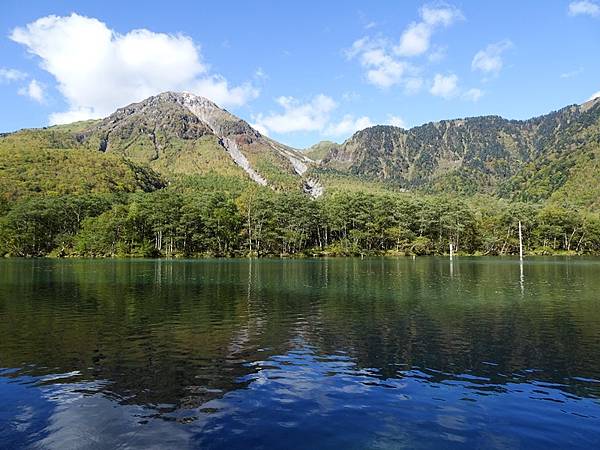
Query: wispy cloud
x=473, y=94
x=584, y=8
x=8, y=75
x=416, y=38
x=447, y=86
x=260, y=74
x=389, y=62
x=396, y=121
x=572, y=73
x=34, y=90
x=382, y=69
x=314, y=115
x=348, y=125
x=437, y=54
x=489, y=60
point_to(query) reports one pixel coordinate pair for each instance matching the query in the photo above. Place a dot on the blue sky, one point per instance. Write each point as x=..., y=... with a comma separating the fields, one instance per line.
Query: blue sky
x=299, y=71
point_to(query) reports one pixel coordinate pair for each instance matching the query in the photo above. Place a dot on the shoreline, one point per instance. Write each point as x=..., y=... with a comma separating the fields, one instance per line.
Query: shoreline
x=303, y=256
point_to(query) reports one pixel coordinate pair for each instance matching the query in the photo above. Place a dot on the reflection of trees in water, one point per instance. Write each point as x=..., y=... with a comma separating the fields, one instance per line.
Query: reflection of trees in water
x=475, y=322
x=178, y=334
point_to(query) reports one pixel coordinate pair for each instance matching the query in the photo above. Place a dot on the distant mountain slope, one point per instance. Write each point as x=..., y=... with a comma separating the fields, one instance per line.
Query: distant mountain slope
x=321, y=149
x=480, y=154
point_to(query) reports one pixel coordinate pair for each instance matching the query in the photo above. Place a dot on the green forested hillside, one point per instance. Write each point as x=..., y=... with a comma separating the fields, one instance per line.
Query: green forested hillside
x=25, y=172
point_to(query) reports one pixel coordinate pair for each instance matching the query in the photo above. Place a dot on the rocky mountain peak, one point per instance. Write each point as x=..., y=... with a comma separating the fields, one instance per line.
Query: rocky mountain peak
x=176, y=131
x=219, y=120
x=154, y=115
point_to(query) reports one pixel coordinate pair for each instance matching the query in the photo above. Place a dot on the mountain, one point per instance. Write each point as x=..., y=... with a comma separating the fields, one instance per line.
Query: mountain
x=204, y=182
x=167, y=137
x=179, y=134
x=529, y=160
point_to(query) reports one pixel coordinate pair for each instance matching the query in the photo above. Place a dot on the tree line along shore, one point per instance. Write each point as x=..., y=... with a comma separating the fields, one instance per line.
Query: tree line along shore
x=256, y=221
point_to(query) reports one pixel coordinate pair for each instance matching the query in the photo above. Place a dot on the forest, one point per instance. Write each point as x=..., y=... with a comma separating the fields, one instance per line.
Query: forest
x=249, y=220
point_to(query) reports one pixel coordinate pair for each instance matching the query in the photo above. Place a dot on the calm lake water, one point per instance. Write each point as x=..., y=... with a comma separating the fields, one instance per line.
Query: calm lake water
x=277, y=354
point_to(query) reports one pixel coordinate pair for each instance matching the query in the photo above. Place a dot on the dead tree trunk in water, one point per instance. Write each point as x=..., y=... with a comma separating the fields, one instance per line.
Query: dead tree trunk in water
x=520, y=242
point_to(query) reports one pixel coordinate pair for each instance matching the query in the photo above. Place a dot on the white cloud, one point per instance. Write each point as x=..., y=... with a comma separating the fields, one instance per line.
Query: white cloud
x=440, y=15
x=11, y=74
x=396, y=121
x=445, y=86
x=73, y=115
x=584, y=7
x=596, y=95
x=99, y=70
x=383, y=70
x=260, y=128
x=34, y=90
x=310, y=116
x=473, y=94
x=217, y=89
x=386, y=64
x=416, y=39
x=348, y=125
x=489, y=60
x=437, y=54
x=314, y=115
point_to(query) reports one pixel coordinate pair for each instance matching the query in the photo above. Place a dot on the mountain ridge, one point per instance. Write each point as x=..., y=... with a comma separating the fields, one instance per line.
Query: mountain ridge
x=484, y=152
x=178, y=133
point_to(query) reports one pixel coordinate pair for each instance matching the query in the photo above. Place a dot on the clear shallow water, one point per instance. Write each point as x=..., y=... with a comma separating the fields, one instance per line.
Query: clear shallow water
x=341, y=353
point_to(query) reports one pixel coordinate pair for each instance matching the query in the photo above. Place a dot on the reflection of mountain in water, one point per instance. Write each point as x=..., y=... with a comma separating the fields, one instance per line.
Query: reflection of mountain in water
x=176, y=335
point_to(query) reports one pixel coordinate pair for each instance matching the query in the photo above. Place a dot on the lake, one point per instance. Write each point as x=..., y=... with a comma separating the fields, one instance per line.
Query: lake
x=349, y=353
